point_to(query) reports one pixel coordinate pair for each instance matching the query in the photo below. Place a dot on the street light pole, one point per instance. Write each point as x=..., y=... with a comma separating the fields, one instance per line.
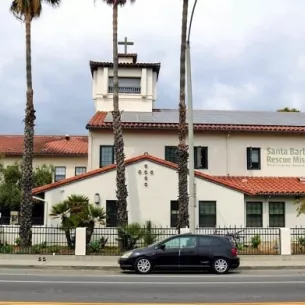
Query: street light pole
x=192, y=185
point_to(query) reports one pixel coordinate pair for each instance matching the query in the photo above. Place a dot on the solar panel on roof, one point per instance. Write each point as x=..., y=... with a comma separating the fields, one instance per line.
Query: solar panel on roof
x=218, y=117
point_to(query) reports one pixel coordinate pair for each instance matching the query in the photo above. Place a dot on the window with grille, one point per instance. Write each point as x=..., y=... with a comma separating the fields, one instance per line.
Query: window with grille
x=174, y=213
x=254, y=214
x=253, y=158
x=126, y=85
x=80, y=170
x=106, y=155
x=111, y=214
x=60, y=173
x=207, y=214
x=277, y=214
x=171, y=154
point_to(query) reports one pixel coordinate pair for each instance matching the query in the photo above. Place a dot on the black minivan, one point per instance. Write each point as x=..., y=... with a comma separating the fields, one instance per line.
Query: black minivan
x=184, y=252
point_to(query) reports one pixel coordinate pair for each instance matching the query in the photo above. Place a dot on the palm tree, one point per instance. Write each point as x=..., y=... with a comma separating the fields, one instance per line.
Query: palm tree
x=26, y=11
x=121, y=192
x=183, y=216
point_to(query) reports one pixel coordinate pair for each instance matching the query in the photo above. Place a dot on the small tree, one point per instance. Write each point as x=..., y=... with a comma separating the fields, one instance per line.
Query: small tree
x=76, y=212
x=287, y=109
x=10, y=183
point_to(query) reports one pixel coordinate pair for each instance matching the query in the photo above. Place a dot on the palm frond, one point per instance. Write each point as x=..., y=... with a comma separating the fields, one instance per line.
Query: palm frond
x=30, y=8
x=117, y=2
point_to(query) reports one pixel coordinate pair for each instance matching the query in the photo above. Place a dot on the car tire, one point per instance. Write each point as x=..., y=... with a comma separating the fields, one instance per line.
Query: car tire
x=220, y=265
x=143, y=265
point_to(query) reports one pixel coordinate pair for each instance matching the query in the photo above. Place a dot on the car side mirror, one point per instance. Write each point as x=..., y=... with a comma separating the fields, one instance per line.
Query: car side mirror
x=162, y=247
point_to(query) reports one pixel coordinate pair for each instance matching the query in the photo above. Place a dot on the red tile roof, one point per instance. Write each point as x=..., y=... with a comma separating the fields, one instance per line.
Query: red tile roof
x=250, y=186
x=96, y=64
x=97, y=122
x=267, y=185
x=12, y=145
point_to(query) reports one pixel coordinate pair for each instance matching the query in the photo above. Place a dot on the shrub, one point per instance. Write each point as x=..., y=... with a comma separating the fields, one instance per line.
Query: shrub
x=256, y=241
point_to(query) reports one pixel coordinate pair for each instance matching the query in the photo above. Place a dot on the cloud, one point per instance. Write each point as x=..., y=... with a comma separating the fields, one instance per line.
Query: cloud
x=245, y=55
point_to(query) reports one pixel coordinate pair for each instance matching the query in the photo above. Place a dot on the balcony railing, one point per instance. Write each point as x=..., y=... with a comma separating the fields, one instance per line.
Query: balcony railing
x=132, y=90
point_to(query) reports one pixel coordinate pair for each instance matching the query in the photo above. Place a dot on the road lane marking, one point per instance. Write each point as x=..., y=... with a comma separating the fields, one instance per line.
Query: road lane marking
x=203, y=276
x=152, y=283
x=69, y=303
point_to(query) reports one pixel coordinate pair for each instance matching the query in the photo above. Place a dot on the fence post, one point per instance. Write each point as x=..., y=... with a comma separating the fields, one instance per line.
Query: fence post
x=80, y=241
x=285, y=241
x=185, y=230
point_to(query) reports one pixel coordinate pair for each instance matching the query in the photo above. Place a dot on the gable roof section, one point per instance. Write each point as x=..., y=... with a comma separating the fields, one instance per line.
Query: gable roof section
x=267, y=185
x=129, y=162
x=207, y=120
x=12, y=145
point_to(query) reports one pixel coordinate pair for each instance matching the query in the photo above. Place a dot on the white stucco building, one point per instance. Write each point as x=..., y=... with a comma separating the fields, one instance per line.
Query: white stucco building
x=249, y=165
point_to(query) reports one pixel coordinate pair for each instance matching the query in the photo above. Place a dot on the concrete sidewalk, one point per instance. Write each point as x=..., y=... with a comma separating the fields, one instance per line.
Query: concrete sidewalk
x=255, y=262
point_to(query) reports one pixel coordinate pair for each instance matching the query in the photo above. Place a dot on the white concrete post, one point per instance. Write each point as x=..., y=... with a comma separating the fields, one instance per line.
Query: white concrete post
x=80, y=241
x=285, y=241
x=185, y=230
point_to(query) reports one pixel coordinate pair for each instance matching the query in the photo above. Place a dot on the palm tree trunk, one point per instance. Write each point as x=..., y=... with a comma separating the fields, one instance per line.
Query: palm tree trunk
x=121, y=192
x=27, y=162
x=183, y=216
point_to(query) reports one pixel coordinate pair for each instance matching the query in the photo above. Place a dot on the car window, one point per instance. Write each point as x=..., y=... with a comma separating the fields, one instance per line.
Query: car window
x=181, y=242
x=204, y=241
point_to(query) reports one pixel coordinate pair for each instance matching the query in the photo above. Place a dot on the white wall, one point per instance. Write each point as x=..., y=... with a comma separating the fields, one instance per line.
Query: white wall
x=227, y=154
x=152, y=202
x=129, y=102
x=291, y=219
x=70, y=162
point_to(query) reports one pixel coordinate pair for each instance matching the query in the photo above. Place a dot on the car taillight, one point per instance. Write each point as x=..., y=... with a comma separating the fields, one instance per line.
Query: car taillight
x=234, y=252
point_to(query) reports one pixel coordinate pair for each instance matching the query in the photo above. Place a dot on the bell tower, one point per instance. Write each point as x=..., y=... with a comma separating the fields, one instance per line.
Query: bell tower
x=137, y=82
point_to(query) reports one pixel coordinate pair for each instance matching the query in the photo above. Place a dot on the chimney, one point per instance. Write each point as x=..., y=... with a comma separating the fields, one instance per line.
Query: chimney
x=67, y=136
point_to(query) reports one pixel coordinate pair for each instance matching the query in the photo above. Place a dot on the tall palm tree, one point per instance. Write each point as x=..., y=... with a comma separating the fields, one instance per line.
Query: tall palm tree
x=26, y=11
x=121, y=192
x=183, y=216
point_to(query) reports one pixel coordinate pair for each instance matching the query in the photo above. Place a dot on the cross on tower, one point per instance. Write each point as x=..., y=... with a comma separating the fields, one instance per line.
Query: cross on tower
x=126, y=43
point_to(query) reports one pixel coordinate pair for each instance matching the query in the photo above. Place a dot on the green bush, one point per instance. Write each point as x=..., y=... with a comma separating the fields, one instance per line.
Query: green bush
x=256, y=241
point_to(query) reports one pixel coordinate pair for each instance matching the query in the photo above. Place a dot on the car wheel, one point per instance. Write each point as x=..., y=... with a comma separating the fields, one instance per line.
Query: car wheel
x=220, y=265
x=143, y=265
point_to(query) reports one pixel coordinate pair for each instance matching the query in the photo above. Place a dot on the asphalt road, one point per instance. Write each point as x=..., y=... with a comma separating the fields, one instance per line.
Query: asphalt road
x=107, y=287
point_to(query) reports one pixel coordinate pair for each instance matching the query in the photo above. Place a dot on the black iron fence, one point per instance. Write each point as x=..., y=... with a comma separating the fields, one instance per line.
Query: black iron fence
x=114, y=241
x=250, y=241
x=297, y=240
x=45, y=240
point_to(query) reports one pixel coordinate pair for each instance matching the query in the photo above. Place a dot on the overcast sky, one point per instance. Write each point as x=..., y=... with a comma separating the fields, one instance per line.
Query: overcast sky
x=246, y=54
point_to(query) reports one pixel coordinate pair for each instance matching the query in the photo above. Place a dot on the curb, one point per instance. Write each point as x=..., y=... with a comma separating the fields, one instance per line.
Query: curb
x=117, y=269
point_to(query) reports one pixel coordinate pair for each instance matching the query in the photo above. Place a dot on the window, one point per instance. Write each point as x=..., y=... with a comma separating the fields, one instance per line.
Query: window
x=207, y=214
x=80, y=170
x=180, y=242
x=276, y=214
x=205, y=241
x=111, y=213
x=60, y=173
x=38, y=214
x=253, y=158
x=126, y=85
x=106, y=155
x=254, y=214
x=201, y=157
x=171, y=154
x=174, y=213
